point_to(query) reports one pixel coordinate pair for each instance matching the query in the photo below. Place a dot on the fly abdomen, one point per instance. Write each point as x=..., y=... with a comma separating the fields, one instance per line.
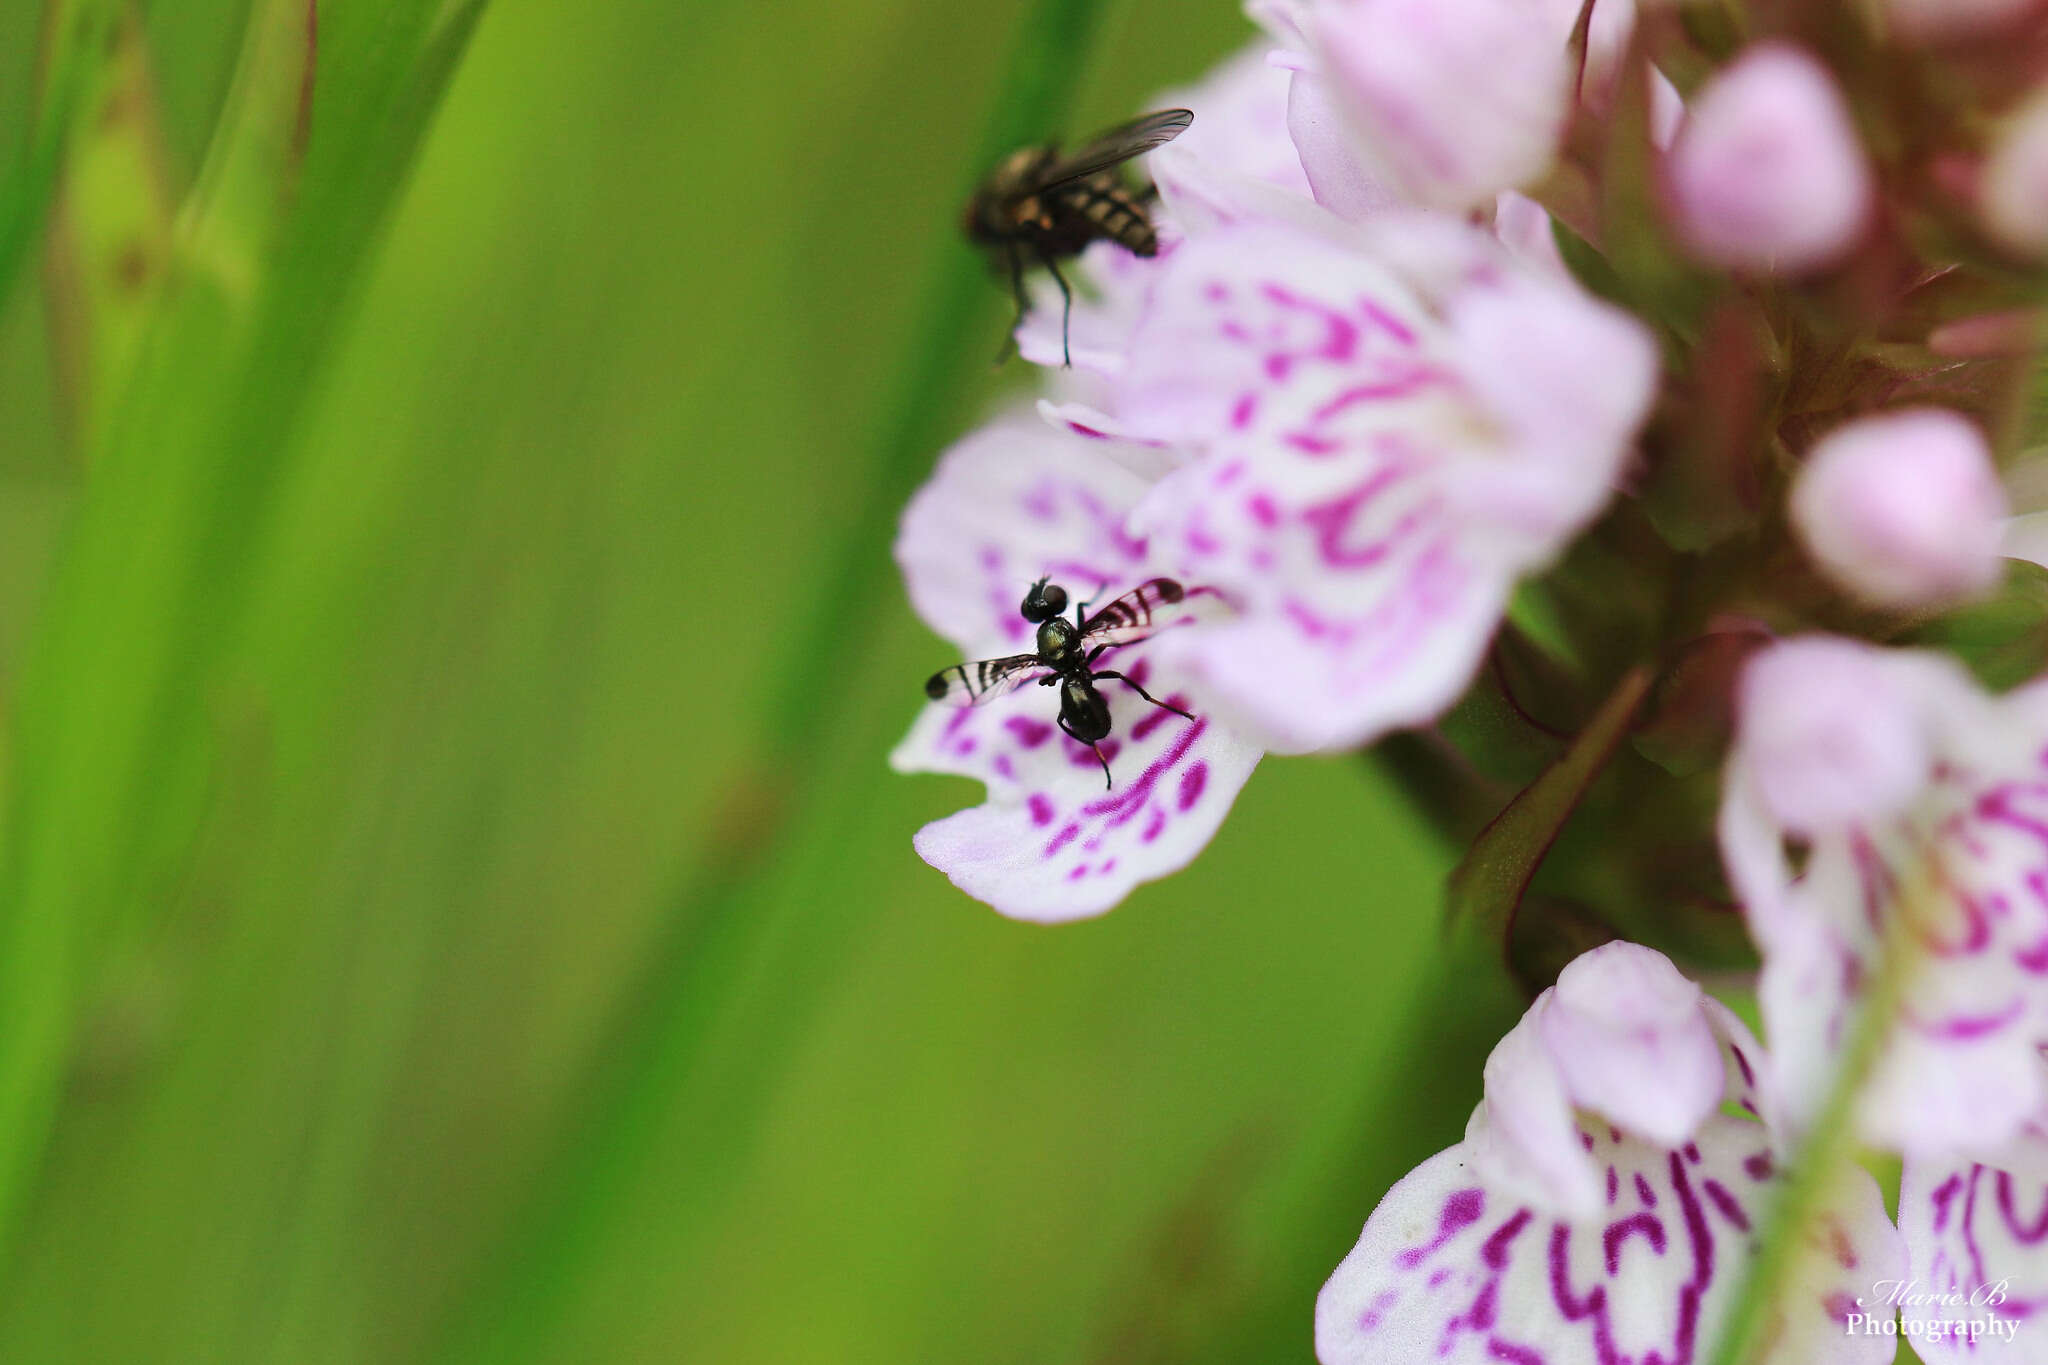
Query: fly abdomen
x=1110, y=210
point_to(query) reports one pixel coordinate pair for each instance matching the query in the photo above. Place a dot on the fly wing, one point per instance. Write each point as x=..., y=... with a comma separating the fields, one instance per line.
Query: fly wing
x=1116, y=145
x=971, y=684
x=1130, y=617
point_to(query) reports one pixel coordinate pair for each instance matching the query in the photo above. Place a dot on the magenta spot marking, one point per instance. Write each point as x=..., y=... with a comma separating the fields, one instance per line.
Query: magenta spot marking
x=1748, y=1076
x=1078, y=873
x=1309, y=443
x=1585, y=1139
x=1216, y=291
x=1264, y=510
x=1083, y=429
x=966, y=746
x=1692, y=1152
x=1030, y=733
x=1041, y=809
x=1495, y=1252
x=1042, y=502
x=1644, y=1192
x=1387, y=322
x=1723, y=1201
x=1462, y=1209
x=1108, y=866
x=1004, y=768
x=1968, y=1027
x=1512, y=1354
x=1241, y=412
x=1332, y=523
x=1371, y=1318
x=1646, y=1225
x=1124, y=805
x=1150, y=721
x=1191, y=783
x=1840, y=1304
x=2026, y=1233
x=1943, y=1196
x=1759, y=1166
x=1613, y=1184
x=1062, y=839
x=1154, y=826
x=1438, y=1276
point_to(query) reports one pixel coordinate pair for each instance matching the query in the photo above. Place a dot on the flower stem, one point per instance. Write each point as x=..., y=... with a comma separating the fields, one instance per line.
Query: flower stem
x=1829, y=1149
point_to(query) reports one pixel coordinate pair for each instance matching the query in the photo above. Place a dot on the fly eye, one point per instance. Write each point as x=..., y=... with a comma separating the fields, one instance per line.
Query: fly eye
x=1043, y=602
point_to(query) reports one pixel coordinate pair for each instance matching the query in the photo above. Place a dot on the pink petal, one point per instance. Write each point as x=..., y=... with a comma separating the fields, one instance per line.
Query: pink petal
x=1378, y=471
x=1977, y=1242
x=1050, y=844
x=1009, y=503
x=1916, y=795
x=1458, y=99
x=1450, y=1269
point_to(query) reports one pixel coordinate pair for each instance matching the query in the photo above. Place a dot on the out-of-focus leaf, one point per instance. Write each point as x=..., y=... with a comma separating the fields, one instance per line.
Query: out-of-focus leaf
x=1487, y=887
x=76, y=44
x=110, y=239
x=2004, y=637
x=116, y=726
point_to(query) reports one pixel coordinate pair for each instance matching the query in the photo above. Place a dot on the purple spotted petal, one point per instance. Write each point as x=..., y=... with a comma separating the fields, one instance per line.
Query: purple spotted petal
x=1374, y=474
x=1452, y=1270
x=1235, y=159
x=1017, y=500
x=1963, y=858
x=1050, y=843
x=1010, y=503
x=1977, y=1241
x=1626, y=1039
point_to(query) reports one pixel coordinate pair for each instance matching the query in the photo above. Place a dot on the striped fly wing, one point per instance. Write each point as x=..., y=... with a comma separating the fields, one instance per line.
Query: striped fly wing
x=1115, y=145
x=1131, y=617
x=971, y=684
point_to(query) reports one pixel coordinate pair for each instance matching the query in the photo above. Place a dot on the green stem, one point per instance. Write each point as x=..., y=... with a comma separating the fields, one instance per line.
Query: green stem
x=1829, y=1150
x=726, y=933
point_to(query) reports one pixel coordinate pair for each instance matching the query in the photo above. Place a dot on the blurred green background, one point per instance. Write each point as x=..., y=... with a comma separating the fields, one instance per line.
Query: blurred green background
x=424, y=933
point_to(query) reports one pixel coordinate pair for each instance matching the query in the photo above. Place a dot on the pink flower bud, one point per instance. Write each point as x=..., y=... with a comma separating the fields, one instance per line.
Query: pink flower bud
x=1766, y=173
x=2013, y=195
x=1903, y=509
x=1829, y=736
x=1456, y=100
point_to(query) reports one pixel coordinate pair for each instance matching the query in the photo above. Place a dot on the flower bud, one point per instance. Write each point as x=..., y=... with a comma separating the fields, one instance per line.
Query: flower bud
x=1904, y=509
x=1766, y=173
x=2013, y=195
x=1828, y=736
x=1456, y=100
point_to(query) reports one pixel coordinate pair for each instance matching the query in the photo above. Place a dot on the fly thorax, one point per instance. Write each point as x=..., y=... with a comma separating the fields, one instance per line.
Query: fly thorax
x=1056, y=641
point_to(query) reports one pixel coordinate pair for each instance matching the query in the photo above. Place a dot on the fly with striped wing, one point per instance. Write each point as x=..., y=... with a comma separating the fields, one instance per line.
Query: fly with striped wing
x=1041, y=205
x=1064, y=656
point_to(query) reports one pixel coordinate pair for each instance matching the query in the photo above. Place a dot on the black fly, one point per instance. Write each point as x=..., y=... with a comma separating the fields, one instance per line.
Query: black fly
x=1051, y=206
x=1063, y=658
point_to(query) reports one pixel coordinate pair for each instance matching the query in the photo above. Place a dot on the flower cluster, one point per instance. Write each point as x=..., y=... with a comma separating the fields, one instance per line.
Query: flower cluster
x=1504, y=361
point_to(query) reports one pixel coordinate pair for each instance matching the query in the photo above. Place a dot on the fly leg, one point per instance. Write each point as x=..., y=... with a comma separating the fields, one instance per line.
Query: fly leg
x=1081, y=616
x=1023, y=301
x=1164, y=706
x=1107, y=782
x=1066, y=309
